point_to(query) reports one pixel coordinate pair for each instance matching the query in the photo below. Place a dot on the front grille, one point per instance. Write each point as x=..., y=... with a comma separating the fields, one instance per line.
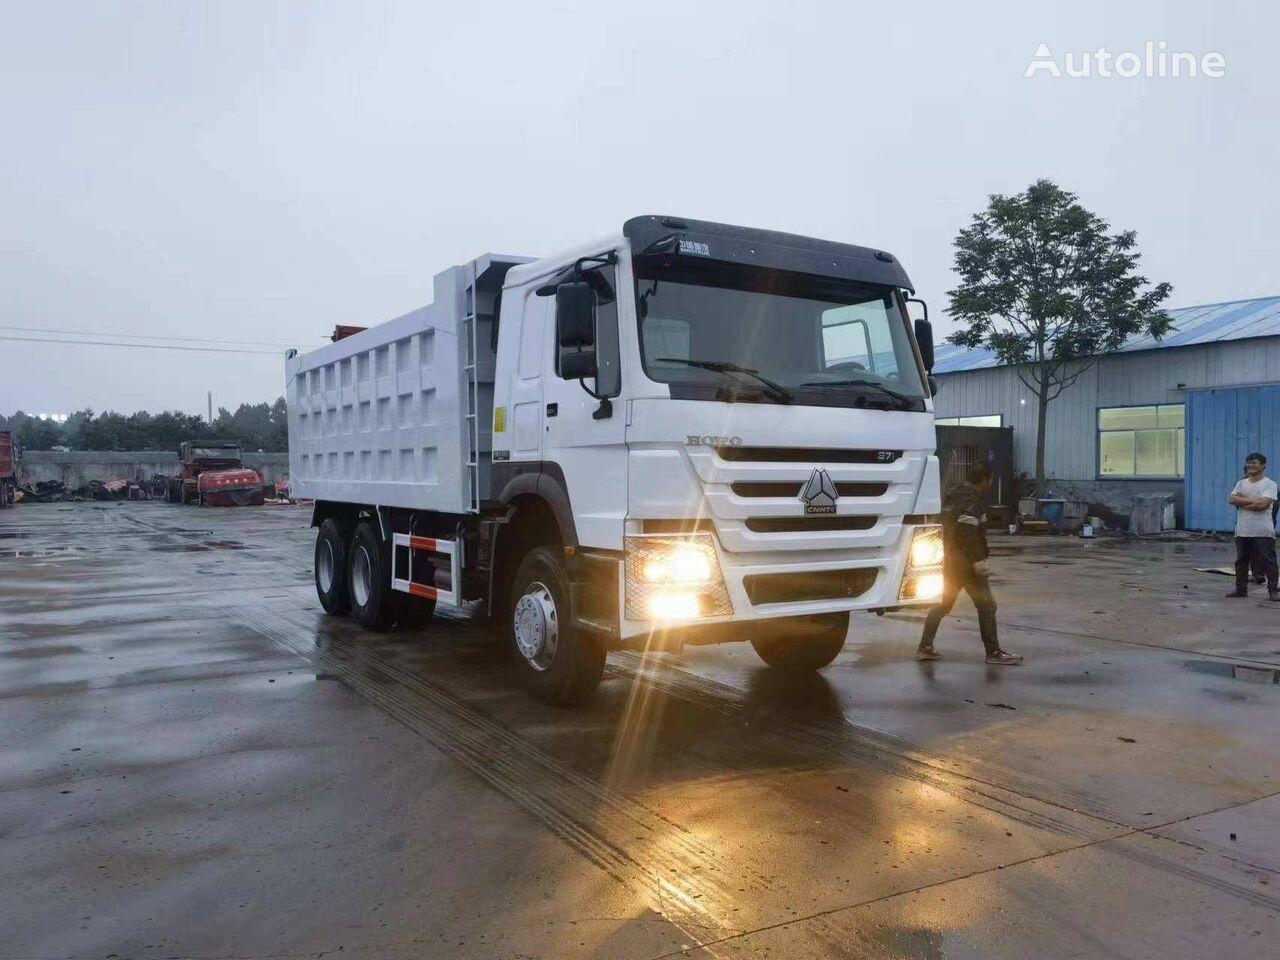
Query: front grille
x=813, y=585
x=791, y=488
x=805, y=455
x=809, y=524
x=690, y=525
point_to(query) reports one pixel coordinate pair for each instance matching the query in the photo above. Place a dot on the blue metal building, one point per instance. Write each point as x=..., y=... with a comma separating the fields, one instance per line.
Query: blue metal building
x=1171, y=417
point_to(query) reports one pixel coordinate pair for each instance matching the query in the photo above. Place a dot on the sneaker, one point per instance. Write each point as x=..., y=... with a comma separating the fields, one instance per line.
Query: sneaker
x=928, y=653
x=1238, y=593
x=1259, y=580
x=1004, y=658
x=1273, y=596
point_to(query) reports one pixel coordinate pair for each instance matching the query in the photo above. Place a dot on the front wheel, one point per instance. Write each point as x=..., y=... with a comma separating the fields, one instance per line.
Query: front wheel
x=804, y=644
x=562, y=665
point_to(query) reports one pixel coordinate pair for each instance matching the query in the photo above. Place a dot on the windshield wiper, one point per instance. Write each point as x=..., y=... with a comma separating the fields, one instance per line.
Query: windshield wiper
x=888, y=392
x=777, y=391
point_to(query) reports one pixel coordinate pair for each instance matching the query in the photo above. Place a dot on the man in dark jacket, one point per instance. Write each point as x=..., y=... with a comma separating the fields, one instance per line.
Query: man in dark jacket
x=964, y=534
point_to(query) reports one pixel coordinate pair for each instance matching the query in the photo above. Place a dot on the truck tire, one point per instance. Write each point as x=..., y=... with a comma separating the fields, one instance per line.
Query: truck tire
x=373, y=602
x=804, y=644
x=560, y=664
x=333, y=543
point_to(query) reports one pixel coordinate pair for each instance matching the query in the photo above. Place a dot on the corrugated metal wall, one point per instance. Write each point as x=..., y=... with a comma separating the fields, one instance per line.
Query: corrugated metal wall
x=1223, y=426
x=1149, y=376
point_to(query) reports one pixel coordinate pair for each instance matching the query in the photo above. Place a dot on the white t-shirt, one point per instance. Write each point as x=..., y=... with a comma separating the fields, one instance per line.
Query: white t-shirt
x=1255, y=523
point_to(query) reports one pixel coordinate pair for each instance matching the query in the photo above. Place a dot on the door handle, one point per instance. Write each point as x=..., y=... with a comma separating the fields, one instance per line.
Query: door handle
x=553, y=409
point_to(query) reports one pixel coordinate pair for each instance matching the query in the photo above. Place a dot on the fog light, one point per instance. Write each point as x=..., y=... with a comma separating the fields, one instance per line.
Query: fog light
x=928, y=587
x=670, y=605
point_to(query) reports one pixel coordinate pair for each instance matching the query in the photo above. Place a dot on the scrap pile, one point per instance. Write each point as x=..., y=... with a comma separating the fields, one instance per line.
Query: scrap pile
x=55, y=491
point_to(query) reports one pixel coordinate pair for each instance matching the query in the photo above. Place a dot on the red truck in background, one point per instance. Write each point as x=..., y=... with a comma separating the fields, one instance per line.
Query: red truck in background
x=214, y=475
x=8, y=469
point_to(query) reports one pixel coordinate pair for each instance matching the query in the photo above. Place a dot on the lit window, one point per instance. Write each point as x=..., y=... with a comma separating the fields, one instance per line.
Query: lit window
x=1141, y=441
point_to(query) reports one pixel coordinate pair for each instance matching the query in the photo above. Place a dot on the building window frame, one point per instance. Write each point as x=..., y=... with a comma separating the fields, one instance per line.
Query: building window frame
x=960, y=421
x=1180, y=465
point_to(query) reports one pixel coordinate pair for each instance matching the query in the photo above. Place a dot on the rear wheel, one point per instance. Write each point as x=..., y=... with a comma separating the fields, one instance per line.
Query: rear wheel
x=333, y=542
x=373, y=602
x=805, y=643
x=561, y=664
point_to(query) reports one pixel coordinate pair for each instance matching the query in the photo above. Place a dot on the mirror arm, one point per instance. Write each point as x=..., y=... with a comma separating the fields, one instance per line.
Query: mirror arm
x=605, y=410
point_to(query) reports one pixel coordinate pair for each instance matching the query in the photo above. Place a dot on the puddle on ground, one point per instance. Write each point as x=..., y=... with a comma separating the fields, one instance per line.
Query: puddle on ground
x=53, y=650
x=1235, y=671
x=44, y=552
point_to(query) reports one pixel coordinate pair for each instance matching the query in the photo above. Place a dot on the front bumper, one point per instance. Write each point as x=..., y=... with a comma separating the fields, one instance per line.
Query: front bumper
x=246, y=496
x=874, y=577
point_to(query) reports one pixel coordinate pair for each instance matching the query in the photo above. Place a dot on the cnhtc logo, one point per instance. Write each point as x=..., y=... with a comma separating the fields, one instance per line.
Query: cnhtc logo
x=819, y=494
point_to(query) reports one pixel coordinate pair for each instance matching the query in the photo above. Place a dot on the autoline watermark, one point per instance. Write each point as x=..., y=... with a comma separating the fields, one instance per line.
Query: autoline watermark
x=1155, y=60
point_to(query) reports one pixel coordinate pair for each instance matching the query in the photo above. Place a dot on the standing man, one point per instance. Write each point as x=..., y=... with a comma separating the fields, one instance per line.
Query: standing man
x=964, y=533
x=1255, y=566
x=1255, y=529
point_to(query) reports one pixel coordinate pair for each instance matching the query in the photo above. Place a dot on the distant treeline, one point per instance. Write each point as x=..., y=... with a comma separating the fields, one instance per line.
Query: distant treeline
x=257, y=426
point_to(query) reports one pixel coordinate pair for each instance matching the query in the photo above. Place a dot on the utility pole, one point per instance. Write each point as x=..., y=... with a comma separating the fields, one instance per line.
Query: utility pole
x=211, y=408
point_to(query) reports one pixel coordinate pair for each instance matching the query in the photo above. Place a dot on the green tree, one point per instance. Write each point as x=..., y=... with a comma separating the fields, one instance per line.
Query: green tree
x=259, y=426
x=1047, y=288
x=35, y=433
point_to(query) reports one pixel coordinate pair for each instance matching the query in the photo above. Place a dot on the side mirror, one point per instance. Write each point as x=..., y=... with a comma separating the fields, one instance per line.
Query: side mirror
x=576, y=330
x=924, y=337
x=933, y=385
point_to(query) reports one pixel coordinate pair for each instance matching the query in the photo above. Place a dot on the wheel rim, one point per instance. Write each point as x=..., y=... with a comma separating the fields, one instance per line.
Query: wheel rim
x=361, y=577
x=537, y=626
x=325, y=566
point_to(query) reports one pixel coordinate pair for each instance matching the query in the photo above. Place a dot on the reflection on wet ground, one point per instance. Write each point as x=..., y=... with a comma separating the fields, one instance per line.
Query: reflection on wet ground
x=177, y=775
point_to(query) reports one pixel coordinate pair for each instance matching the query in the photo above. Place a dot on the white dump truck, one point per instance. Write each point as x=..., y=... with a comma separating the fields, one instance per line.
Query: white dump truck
x=685, y=432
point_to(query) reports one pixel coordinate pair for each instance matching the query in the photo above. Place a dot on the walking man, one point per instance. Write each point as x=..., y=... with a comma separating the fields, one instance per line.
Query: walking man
x=1255, y=528
x=964, y=535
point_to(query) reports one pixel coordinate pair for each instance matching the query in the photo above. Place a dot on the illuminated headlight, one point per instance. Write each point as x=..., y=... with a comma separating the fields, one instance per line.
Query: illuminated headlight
x=674, y=578
x=923, y=578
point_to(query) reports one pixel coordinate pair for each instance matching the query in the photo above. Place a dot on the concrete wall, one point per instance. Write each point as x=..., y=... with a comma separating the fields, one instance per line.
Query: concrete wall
x=78, y=467
x=1142, y=377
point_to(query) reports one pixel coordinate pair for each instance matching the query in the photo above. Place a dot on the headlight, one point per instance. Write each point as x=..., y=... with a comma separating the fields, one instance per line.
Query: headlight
x=674, y=578
x=679, y=565
x=926, y=551
x=923, y=578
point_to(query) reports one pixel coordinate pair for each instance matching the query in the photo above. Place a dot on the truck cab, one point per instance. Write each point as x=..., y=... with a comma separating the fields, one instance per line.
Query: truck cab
x=696, y=433
x=755, y=401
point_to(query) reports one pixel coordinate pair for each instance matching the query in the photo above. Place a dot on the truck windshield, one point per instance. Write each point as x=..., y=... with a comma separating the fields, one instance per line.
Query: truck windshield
x=727, y=332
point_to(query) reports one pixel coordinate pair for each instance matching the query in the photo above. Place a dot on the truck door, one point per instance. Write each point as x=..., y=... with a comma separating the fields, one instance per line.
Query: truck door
x=525, y=430
x=587, y=442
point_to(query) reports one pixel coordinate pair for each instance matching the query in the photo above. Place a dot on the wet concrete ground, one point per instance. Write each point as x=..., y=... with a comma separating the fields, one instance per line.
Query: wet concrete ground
x=196, y=763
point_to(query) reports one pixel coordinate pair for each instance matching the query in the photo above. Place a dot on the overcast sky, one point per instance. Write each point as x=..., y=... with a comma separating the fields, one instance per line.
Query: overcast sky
x=262, y=171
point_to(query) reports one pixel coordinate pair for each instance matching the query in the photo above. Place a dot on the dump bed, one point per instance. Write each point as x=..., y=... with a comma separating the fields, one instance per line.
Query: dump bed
x=400, y=415
x=8, y=463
